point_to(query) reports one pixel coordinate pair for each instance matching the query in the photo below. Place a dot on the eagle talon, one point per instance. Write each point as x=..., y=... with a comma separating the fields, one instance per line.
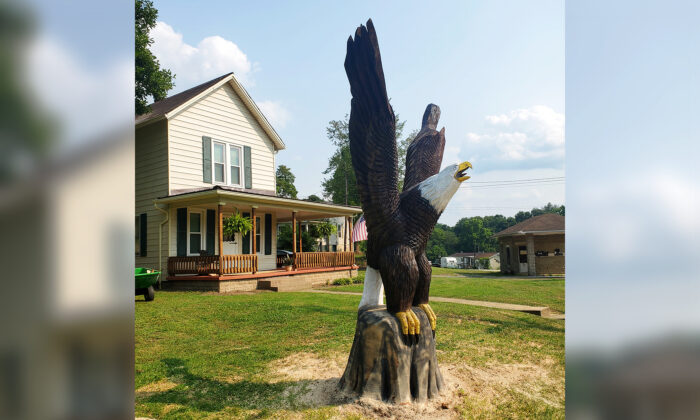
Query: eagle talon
x=410, y=325
x=431, y=314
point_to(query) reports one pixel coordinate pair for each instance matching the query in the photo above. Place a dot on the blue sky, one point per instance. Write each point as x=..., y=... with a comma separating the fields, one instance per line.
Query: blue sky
x=496, y=69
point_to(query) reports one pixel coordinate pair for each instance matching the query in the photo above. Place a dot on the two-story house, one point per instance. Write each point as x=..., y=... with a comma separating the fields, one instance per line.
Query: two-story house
x=200, y=156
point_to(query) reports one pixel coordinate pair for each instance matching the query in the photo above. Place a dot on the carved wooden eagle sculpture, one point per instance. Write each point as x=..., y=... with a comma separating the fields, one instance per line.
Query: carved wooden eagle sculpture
x=398, y=225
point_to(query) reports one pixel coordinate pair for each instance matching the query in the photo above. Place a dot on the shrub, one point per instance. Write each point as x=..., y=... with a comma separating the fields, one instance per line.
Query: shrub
x=484, y=263
x=342, y=282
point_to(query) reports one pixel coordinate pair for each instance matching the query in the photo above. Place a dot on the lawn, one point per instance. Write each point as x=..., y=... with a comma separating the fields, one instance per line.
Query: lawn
x=490, y=286
x=201, y=355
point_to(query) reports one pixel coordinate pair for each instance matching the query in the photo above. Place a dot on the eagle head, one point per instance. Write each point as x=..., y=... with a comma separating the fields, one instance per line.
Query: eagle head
x=439, y=188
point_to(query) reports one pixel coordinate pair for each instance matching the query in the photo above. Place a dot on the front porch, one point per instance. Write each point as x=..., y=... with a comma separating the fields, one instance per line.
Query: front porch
x=200, y=257
x=203, y=275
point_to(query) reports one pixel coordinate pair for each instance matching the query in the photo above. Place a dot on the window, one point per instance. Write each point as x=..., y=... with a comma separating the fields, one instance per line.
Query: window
x=257, y=234
x=219, y=162
x=227, y=163
x=137, y=230
x=235, y=164
x=335, y=248
x=195, y=233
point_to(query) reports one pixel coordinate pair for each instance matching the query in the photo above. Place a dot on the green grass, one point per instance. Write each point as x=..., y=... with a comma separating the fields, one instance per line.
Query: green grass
x=202, y=355
x=494, y=287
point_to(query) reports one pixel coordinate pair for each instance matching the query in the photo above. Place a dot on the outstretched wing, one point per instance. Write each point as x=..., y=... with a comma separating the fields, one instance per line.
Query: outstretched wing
x=424, y=154
x=372, y=129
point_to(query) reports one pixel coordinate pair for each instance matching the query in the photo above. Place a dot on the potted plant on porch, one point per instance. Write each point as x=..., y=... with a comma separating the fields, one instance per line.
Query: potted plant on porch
x=287, y=263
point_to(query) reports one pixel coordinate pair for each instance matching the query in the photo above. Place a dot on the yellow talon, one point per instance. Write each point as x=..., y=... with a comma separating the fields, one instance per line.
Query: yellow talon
x=410, y=324
x=431, y=315
x=416, y=321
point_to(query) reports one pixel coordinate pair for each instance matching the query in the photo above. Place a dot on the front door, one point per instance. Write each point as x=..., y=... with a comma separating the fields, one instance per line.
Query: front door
x=522, y=259
x=233, y=247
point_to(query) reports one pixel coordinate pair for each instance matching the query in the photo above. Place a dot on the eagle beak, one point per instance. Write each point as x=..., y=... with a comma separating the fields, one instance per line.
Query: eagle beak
x=461, y=174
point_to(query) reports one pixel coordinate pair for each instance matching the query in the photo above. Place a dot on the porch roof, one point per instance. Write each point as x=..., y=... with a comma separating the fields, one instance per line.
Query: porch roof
x=222, y=195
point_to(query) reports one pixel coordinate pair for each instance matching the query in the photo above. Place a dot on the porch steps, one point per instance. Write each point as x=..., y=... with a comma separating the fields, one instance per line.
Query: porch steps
x=286, y=284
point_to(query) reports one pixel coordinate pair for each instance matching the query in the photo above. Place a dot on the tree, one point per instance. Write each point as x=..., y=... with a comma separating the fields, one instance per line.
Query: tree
x=285, y=238
x=285, y=182
x=442, y=241
x=150, y=78
x=314, y=198
x=341, y=186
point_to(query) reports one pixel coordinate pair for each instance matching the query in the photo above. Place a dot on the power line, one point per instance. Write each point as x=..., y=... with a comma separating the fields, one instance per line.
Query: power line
x=518, y=180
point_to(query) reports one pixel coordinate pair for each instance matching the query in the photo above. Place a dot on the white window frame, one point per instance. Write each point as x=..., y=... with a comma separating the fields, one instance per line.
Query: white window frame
x=214, y=163
x=240, y=163
x=202, y=230
x=258, y=224
x=227, y=163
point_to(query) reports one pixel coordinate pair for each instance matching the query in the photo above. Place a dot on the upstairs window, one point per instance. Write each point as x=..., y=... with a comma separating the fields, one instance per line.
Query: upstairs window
x=235, y=164
x=227, y=163
x=219, y=162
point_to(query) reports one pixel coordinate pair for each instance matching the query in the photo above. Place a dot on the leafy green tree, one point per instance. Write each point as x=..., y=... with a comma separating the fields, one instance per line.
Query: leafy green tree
x=444, y=240
x=341, y=186
x=435, y=251
x=314, y=198
x=285, y=238
x=150, y=78
x=285, y=182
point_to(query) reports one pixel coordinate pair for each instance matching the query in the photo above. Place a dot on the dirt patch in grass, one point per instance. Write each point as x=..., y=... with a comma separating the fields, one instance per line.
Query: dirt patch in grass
x=155, y=387
x=474, y=391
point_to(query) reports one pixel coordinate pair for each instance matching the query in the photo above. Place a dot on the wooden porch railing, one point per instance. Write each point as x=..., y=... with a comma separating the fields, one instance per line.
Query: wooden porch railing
x=243, y=263
x=209, y=264
x=324, y=259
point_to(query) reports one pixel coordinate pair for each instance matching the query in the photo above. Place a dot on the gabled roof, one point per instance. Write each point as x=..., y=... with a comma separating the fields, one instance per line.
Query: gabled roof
x=173, y=105
x=548, y=222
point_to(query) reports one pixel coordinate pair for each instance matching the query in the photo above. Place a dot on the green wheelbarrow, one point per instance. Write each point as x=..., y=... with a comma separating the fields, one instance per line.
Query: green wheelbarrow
x=145, y=279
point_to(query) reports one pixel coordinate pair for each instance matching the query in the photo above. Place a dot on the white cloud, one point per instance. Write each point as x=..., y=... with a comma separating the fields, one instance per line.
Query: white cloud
x=524, y=138
x=213, y=56
x=275, y=113
x=75, y=94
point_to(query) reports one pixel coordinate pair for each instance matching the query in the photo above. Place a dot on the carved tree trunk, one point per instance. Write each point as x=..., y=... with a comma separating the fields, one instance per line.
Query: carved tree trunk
x=384, y=366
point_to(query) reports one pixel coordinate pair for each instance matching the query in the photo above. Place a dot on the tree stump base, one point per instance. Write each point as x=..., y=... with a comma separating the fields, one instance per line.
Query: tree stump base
x=383, y=365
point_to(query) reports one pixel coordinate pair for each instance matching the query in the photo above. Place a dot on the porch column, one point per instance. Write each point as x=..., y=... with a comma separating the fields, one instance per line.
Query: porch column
x=531, y=270
x=219, y=212
x=254, y=246
x=294, y=238
x=352, y=242
x=301, y=236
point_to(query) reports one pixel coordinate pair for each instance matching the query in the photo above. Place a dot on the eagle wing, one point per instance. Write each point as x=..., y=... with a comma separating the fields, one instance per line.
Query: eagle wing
x=372, y=129
x=424, y=154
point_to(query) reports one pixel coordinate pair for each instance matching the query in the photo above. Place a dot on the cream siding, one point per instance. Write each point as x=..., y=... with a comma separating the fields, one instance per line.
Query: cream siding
x=151, y=179
x=221, y=116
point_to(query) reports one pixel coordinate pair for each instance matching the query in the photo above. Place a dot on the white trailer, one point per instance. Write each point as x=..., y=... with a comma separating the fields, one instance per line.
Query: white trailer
x=448, y=262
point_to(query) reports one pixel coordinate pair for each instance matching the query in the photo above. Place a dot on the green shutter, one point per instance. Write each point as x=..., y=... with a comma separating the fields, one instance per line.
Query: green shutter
x=268, y=234
x=143, y=224
x=211, y=228
x=206, y=159
x=248, y=173
x=246, y=238
x=182, y=232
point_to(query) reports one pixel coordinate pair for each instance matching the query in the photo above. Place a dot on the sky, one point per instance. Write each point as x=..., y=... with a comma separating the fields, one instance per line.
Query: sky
x=497, y=71
x=497, y=76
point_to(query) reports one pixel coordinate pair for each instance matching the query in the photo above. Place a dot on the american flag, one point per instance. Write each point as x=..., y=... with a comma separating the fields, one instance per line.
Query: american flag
x=359, y=231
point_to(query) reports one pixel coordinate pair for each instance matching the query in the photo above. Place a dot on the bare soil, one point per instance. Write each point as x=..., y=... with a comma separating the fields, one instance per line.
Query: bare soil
x=481, y=388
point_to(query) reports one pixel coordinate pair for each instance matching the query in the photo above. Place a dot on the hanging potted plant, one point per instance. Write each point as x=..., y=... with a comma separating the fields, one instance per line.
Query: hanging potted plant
x=236, y=223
